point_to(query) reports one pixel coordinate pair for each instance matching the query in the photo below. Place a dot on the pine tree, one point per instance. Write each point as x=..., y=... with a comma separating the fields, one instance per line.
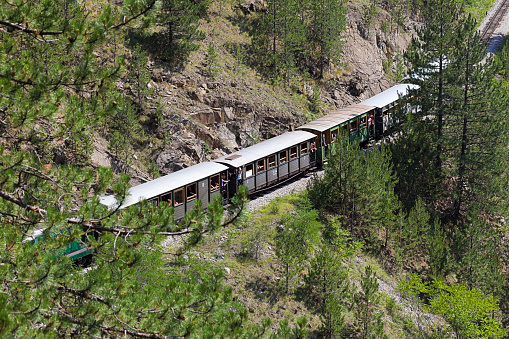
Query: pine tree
x=327, y=281
x=328, y=21
x=429, y=56
x=358, y=186
x=368, y=321
x=180, y=22
x=279, y=38
x=296, y=240
x=476, y=136
x=55, y=90
x=139, y=76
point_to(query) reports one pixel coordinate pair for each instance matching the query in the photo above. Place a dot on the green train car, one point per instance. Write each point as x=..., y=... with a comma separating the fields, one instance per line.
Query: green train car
x=369, y=119
x=77, y=251
x=356, y=122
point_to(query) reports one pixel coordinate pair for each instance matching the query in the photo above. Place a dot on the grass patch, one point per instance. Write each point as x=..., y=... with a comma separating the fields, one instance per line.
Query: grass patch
x=479, y=8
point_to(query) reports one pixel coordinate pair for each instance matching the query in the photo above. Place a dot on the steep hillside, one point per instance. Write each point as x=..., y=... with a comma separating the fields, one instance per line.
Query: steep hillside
x=204, y=114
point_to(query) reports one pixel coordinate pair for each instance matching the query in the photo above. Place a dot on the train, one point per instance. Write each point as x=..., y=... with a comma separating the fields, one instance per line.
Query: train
x=269, y=162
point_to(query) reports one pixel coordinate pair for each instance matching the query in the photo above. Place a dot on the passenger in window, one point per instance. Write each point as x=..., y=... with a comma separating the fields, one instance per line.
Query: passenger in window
x=312, y=147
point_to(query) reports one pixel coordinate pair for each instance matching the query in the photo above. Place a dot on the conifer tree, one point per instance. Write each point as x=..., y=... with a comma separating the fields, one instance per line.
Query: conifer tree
x=359, y=186
x=328, y=277
x=328, y=21
x=180, y=22
x=429, y=55
x=296, y=241
x=55, y=88
x=368, y=320
x=477, y=135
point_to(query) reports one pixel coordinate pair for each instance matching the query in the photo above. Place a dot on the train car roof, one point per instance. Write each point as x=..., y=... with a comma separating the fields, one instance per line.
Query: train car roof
x=165, y=184
x=336, y=118
x=265, y=148
x=389, y=96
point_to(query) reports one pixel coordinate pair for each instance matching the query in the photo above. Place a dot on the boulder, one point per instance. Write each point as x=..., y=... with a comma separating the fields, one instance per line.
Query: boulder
x=198, y=94
x=205, y=117
x=226, y=138
x=228, y=114
x=336, y=95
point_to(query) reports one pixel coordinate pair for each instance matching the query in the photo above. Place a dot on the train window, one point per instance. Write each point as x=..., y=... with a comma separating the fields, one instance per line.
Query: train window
x=167, y=198
x=154, y=202
x=282, y=157
x=363, y=122
x=179, y=197
x=272, y=161
x=249, y=170
x=334, y=135
x=260, y=165
x=191, y=191
x=304, y=147
x=293, y=152
x=353, y=126
x=214, y=182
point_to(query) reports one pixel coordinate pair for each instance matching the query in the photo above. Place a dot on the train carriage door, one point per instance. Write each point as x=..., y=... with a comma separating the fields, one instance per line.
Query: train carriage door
x=272, y=174
x=363, y=131
x=304, y=156
x=191, y=194
x=261, y=175
x=294, y=159
x=180, y=207
x=249, y=178
x=232, y=182
x=215, y=185
x=203, y=192
x=379, y=123
x=283, y=165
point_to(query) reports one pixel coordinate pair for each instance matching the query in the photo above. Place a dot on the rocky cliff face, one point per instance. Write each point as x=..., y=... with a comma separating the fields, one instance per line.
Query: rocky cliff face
x=206, y=118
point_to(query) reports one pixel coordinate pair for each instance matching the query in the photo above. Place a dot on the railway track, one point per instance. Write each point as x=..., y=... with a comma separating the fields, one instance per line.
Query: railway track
x=489, y=29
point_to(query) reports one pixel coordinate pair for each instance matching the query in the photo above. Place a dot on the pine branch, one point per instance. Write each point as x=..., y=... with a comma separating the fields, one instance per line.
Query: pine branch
x=22, y=28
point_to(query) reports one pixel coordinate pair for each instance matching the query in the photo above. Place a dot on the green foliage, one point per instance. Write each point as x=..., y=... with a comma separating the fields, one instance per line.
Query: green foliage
x=368, y=18
x=124, y=127
x=211, y=60
x=502, y=60
x=468, y=312
x=286, y=332
x=328, y=278
x=56, y=90
x=180, y=29
x=291, y=32
x=296, y=241
x=315, y=102
x=368, y=320
x=358, y=186
x=139, y=76
x=328, y=21
x=399, y=72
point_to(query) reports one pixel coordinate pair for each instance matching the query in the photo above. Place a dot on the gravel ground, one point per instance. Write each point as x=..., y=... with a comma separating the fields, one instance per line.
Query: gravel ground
x=500, y=32
x=296, y=185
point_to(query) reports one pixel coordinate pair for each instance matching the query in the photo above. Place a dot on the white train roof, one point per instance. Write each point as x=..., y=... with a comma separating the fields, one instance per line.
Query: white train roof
x=265, y=148
x=389, y=96
x=165, y=184
x=335, y=118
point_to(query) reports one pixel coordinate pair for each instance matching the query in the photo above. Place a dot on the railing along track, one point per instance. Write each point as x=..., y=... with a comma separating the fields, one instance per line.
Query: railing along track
x=490, y=27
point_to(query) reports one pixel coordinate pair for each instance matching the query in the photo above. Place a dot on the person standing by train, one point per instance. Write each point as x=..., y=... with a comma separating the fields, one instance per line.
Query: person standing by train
x=239, y=176
x=224, y=185
x=371, y=122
